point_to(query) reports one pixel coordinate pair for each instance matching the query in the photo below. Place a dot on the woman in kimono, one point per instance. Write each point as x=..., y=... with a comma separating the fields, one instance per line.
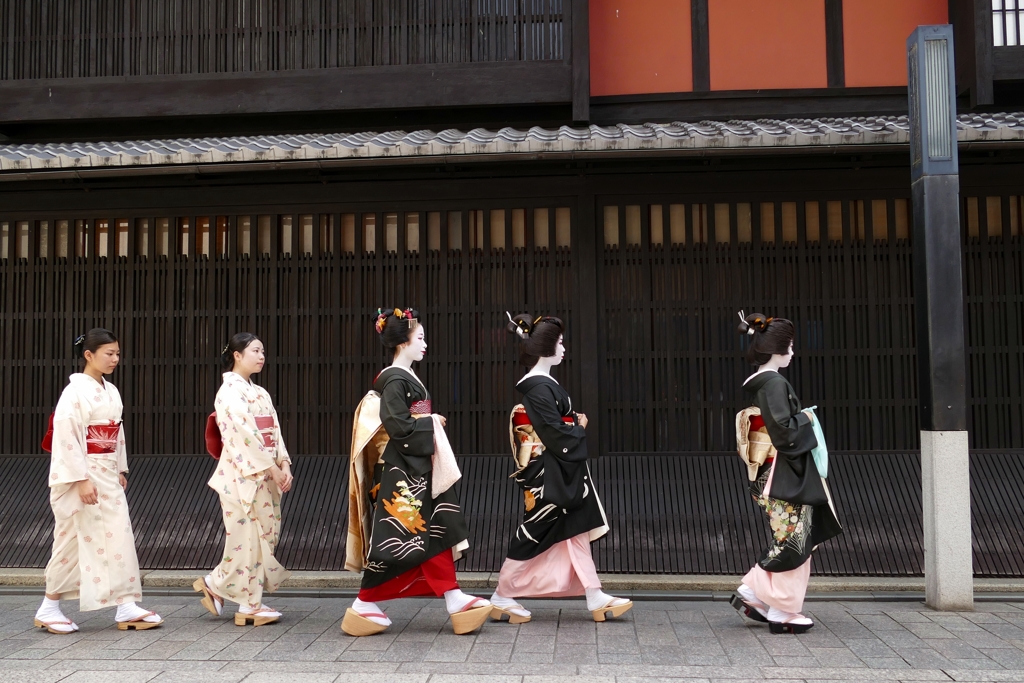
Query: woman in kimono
x=787, y=486
x=93, y=555
x=549, y=556
x=406, y=528
x=254, y=470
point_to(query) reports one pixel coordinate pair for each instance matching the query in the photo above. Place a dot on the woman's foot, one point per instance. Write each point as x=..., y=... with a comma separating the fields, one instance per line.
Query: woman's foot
x=129, y=615
x=364, y=619
x=747, y=604
x=50, y=617
x=468, y=613
x=211, y=601
x=516, y=613
x=601, y=604
x=259, y=616
x=787, y=622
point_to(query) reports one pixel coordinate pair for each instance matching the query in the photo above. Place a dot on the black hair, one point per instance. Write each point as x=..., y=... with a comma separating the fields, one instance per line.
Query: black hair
x=538, y=336
x=91, y=341
x=392, y=329
x=239, y=342
x=769, y=336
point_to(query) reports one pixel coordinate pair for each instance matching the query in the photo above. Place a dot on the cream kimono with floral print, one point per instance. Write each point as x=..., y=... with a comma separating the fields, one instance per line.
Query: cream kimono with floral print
x=249, y=499
x=93, y=555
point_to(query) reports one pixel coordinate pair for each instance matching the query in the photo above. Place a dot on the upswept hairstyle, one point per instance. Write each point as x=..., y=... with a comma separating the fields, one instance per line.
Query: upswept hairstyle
x=239, y=342
x=394, y=326
x=768, y=336
x=538, y=337
x=91, y=341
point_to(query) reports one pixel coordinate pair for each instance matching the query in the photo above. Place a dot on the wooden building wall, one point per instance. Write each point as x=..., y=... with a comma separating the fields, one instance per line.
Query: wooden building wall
x=647, y=270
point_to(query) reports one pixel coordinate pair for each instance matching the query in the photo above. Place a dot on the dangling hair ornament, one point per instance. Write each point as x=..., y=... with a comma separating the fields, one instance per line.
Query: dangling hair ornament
x=382, y=319
x=521, y=331
x=744, y=325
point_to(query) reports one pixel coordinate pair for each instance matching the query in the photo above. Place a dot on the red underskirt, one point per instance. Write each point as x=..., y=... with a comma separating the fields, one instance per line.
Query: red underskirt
x=433, y=578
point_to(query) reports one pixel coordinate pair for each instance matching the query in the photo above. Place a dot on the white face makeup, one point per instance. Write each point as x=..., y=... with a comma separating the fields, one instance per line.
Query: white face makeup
x=784, y=359
x=416, y=348
x=251, y=360
x=559, y=352
x=105, y=359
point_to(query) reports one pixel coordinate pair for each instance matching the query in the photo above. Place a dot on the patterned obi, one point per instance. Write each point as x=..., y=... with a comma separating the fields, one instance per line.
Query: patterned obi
x=102, y=438
x=421, y=408
x=526, y=445
x=265, y=425
x=757, y=425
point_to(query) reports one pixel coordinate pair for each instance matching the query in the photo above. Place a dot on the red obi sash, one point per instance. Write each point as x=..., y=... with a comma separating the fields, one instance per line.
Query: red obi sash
x=214, y=444
x=102, y=438
x=520, y=419
x=421, y=408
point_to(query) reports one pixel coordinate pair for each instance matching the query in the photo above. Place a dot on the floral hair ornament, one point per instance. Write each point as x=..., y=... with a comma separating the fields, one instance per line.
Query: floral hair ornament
x=521, y=331
x=382, y=320
x=744, y=324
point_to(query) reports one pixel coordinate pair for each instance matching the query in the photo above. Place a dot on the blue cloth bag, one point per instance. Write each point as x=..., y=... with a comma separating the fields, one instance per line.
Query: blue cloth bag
x=820, y=452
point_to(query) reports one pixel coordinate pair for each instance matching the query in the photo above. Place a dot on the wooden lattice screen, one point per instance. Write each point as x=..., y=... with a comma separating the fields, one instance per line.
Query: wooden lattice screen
x=671, y=272
x=44, y=39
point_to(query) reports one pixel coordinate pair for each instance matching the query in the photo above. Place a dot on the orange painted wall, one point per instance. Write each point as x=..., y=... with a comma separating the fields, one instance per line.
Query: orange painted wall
x=875, y=49
x=757, y=44
x=640, y=46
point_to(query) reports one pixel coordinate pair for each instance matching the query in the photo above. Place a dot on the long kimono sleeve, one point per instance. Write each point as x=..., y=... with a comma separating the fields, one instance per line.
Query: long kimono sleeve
x=122, y=440
x=243, y=443
x=791, y=433
x=68, y=461
x=561, y=439
x=412, y=436
x=282, y=455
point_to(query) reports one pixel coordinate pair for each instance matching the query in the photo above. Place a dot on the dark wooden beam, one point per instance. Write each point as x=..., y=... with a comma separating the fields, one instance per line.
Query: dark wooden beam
x=834, y=47
x=972, y=43
x=580, y=60
x=1008, y=63
x=776, y=104
x=700, y=45
x=348, y=89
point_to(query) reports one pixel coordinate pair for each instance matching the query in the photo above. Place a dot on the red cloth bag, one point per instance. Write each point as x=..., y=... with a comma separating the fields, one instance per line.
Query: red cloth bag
x=47, y=444
x=214, y=445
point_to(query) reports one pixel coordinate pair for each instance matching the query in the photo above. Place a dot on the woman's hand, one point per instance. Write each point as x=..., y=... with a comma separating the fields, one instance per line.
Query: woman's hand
x=444, y=421
x=286, y=467
x=282, y=478
x=810, y=414
x=87, y=492
x=123, y=480
x=582, y=419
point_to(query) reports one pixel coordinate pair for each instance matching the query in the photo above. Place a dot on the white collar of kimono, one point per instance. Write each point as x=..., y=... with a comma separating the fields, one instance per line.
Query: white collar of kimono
x=231, y=376
x=414, y=376
x=759, y=372
x=84, y=381
x=537, y=373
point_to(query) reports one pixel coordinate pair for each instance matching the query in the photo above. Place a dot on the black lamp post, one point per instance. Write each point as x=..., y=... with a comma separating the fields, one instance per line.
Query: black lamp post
x=939, y=309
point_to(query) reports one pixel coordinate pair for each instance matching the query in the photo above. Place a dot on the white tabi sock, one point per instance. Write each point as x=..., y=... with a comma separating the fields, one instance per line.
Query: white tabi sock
x=49, y=613
x=597, y=598
x=129, y=611
x=455, y=601
x=509, y=604
x=364, y=609
x=780, y=617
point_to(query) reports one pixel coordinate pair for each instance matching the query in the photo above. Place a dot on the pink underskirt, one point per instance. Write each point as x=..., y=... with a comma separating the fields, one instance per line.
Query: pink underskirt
x=564, y=570
x=781, y=590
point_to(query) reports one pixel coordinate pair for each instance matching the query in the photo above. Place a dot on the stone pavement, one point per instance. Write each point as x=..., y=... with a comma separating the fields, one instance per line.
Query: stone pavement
x=658, y=640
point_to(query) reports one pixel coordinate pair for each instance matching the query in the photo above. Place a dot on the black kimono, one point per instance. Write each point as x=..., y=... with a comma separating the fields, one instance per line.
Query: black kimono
x=409, y=527
x=561, y=499
x=798, y=508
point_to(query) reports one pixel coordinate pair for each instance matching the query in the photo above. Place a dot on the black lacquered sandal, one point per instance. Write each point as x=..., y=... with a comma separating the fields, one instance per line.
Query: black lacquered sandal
x=746, y=609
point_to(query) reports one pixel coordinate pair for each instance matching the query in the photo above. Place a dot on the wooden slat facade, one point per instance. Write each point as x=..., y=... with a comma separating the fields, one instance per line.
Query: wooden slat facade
x=52, y=39
x=686, y=514
x=648, y=271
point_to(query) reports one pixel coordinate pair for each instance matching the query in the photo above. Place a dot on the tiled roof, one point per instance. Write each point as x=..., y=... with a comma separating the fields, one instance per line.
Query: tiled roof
x=594, y=140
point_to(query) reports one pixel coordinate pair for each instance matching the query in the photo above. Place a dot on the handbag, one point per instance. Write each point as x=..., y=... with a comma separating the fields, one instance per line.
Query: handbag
x=820, y=452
